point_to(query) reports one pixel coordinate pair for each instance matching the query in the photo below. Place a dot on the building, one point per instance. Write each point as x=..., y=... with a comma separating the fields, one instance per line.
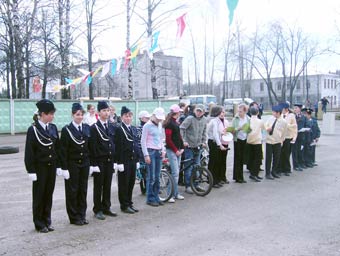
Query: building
x=321, y=85
x=168, y=71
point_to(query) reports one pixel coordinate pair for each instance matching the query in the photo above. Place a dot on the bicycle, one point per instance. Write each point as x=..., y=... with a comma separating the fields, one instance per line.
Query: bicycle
x=166, y=182
x=201, y=179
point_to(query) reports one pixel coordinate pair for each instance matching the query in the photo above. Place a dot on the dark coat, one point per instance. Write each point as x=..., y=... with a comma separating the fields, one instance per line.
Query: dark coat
x=102, y=146
x=41, y=150
x=127, y=146
x=74, y=150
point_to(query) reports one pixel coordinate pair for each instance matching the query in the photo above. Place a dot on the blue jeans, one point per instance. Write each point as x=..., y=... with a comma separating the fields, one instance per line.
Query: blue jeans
x=152, y=177
x=190, y=154
x=175, y=162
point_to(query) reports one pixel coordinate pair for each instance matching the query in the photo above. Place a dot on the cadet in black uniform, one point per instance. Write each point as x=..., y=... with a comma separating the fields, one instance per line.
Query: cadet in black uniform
x=297, y=148
x=127, y=154
x=312, y=137
x=74, y=156
x=41, y=161
x=102, y=150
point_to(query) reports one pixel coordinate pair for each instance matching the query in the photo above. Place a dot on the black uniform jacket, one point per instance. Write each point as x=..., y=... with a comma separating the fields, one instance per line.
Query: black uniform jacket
x=41, y=147
x=74, y=146
x=101, y=144
x=126, y=141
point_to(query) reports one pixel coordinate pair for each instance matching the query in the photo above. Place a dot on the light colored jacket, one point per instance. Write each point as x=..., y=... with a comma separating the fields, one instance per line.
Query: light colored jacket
x=235, y=123
x=215, y=130
x=256, y=126
x=291, y=131
x=279, y=132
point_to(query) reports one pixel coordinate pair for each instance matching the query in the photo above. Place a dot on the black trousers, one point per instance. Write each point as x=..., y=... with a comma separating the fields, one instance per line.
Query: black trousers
x=273, y=152
x=239, y=159
x=255, y=158
x=297, y=153
x=217, y=162
x=76, y=192
x=286, y=150
x=126, y=182
x=308, y=153
x=42, y=193
x=102, y=187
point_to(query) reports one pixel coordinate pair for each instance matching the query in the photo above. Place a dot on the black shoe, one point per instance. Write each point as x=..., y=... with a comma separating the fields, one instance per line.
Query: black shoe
x=261, y=170
x=287, y=174
x=254, y=178
x=221, y=183
x=240, y=181
x=110, y=213
x=226, y=181
x=260, y=178
x=77, y=222
x=216, y=186
x=314, y=164
x=99, y=216
x=309, y=166
x=43, y=230
x=133, y=208
x=275, y=175
x=85, y=221
x=128, y=210
x=160, y=203
x=50, y=228
x=269, y=177
x=154, y=204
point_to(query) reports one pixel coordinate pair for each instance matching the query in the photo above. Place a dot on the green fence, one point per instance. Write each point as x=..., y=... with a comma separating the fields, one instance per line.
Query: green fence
x=16, y=115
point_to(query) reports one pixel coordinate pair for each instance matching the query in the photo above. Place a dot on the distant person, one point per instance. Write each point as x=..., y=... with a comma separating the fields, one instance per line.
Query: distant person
x=261, y=108
x=90, y=117
x=316, y=108
x=324, y=103
x=41, y=161
x=114, y=118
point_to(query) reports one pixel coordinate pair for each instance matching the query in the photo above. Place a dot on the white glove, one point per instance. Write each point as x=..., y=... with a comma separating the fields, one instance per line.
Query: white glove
x=137, y=165
x=301, y=147
x=32, y=176
x=115, y=166
x=120, y=167
x=66, y=174
x=59, y=171
x=94, y=169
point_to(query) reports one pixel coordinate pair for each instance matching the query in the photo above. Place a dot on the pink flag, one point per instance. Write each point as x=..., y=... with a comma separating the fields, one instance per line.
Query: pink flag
x=180, y=25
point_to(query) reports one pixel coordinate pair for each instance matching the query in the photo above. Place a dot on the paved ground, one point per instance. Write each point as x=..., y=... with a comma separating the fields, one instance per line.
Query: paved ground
x=297, y=215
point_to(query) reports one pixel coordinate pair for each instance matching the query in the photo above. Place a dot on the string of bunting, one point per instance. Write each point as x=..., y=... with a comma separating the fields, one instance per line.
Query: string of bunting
x=131, y=54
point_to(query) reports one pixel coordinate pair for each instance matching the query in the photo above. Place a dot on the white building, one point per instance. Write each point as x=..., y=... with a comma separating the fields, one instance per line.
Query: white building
x=322, y=85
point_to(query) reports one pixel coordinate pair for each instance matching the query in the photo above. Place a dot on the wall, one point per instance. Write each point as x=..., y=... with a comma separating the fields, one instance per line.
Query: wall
x=23, y=110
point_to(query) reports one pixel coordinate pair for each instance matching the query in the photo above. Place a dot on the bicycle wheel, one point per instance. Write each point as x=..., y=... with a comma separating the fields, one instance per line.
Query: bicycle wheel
x=201, y=181
x=166, y=186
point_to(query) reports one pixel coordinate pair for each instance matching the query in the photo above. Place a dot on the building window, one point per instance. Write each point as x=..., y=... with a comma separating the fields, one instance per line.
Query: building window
x=324, y=83
x=298, y=86
x=335, y=84
x=328, y=83
x=332, y=84
x=261, y=87
x=279, y=87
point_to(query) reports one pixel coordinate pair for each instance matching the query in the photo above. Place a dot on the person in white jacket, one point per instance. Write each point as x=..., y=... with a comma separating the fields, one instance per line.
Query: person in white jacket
x=218, y=148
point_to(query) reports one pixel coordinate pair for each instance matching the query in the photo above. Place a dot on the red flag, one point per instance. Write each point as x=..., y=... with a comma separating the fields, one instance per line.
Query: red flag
x=36, y=84
x=180, y=25
x=127, y=58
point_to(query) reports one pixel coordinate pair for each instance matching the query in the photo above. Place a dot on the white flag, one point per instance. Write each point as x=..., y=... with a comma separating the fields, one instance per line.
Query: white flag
x=106, y=69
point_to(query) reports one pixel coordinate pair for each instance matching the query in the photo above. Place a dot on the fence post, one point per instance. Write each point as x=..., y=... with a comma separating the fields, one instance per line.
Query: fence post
x=11, y=107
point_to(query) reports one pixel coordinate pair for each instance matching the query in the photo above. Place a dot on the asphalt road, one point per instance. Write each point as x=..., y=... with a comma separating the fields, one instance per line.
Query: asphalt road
x=297, y=215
